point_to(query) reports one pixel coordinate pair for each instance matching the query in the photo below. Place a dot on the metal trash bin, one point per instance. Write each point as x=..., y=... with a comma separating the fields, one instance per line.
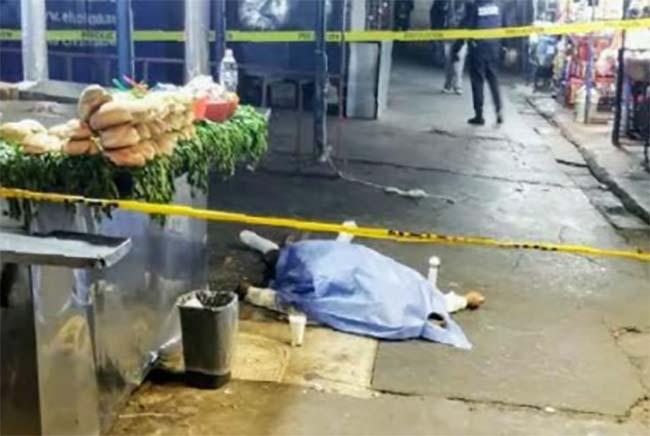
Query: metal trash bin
x=209, y=322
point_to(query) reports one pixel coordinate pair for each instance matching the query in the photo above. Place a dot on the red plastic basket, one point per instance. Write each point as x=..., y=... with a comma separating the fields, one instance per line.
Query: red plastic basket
x=200, y=106
x=220, y=111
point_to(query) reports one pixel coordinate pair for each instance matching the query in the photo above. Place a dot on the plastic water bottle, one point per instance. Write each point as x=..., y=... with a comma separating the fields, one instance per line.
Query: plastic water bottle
x=228, y=71
x=434, y=265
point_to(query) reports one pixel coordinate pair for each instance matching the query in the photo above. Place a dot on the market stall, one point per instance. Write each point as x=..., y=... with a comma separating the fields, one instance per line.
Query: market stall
x=584, y=68
x=636, y=81
x=97, y=331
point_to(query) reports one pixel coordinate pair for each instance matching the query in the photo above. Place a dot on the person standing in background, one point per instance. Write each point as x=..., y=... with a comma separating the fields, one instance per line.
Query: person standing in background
x=484, y=55
x=402, y=14
x=438, y=18
x=454, y=68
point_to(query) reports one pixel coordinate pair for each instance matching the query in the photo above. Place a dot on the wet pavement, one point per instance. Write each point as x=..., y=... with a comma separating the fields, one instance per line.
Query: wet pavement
x=623, y=169
x=562, y=344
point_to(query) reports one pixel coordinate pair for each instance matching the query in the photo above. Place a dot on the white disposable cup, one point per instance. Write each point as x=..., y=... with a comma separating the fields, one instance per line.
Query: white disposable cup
x=297, y=323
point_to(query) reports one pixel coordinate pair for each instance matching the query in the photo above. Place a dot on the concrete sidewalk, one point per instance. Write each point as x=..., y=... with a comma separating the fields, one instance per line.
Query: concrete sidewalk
x=562, y=345
x=621, y=169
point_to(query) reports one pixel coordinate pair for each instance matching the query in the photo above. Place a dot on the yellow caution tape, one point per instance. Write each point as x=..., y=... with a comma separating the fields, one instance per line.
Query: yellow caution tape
x=351, y=36
x=158, y=36
x=10, y=35
x=81, y=35
x=315, y=226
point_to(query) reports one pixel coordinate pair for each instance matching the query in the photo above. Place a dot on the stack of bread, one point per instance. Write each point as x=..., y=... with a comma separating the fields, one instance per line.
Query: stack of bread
x=76, y=136
x=31, y=135
x=129, y=131
x=133, y=130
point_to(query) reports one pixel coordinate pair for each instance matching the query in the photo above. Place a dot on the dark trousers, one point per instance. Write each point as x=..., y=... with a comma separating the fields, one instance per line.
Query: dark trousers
x=480, y=70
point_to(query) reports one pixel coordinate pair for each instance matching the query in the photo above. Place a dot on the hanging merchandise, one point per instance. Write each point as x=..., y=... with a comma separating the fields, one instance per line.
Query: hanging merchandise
x=588, y=62
x=578, y=57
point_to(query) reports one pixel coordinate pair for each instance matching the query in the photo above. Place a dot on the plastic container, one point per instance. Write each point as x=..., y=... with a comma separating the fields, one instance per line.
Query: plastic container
x=220, y=111
x=209, y=322
x=199, y=107
x=580, y=110
x=229, y=72
x=434, y=265
x=297, y=323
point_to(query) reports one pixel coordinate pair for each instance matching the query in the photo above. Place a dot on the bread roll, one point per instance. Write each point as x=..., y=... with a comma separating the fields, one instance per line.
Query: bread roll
x=147, y=149
x=177, y=109
x=141, y=111
x=110, y=115
x=126, y=157
x=154, y=129
x=73, y=129
x=14, y=132
x=119, y=137
x=143, y=131
x=39, y=143
x=76, y=148
x=33, y=125
x=94, y=148
x=187, y=133
x=177, y=122
x=165, y=144
x=80, y=129
x=162, y=110
x=62, y=131
x=90, y=101
x=159, y=127
x=174, y=136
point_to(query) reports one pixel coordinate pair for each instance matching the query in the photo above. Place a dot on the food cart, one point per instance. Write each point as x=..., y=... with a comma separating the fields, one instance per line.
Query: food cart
x=78, y=337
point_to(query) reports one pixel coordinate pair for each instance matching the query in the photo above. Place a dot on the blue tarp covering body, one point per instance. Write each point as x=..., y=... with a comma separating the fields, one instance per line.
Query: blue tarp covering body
x=358, y=290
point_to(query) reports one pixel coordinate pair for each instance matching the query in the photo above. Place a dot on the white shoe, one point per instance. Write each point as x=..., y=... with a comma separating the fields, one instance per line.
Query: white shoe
x=458, y=91
x=256, y=242
x=447, y=91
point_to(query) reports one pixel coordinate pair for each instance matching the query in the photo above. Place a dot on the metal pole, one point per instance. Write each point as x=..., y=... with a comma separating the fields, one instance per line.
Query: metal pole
x=620, y=82
x=34, y=40
x=124, y=21
x=320, y=100
x=197, y=43
x=220, y=31
x=590, y=69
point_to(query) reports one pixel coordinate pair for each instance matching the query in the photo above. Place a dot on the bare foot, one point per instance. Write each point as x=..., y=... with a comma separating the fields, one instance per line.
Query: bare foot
x=474, y=300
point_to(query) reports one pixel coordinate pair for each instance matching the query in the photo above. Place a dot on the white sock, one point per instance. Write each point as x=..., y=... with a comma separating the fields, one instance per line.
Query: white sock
x=256, y=242
x=262, y=297
x=347, y=237
x=454, y=302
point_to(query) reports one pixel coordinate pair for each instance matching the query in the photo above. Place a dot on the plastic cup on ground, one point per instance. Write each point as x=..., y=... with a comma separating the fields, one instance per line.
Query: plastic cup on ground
x=297, y=323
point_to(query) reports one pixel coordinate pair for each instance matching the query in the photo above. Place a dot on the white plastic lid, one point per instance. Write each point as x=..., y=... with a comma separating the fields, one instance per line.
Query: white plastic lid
x=434, y=261
x=229, y=52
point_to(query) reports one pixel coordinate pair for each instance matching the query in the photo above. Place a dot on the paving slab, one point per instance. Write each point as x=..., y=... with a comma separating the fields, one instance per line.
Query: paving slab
x=245, y=408
x=543, y=339
x=621, y=169
x=565, y=363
